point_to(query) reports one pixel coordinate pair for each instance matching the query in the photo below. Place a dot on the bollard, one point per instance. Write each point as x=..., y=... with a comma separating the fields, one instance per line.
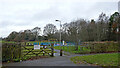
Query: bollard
x=61, y=52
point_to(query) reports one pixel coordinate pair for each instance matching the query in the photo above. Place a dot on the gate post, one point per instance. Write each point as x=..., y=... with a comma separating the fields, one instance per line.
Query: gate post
x=81, y=48
x=52, y=48
x=19, y=44
x=60, y=52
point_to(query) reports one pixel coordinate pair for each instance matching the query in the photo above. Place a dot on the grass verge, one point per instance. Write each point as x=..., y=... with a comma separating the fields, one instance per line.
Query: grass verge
x=98, y=59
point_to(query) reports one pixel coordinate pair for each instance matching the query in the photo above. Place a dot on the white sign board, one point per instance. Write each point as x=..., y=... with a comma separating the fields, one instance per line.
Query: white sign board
x=63, y=42
x=36, y=47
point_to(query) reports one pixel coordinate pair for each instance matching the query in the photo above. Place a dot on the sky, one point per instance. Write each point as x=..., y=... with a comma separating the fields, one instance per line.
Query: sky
x=17, y=15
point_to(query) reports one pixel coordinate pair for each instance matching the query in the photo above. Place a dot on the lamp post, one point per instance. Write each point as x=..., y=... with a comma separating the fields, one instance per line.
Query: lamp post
x=60, y=38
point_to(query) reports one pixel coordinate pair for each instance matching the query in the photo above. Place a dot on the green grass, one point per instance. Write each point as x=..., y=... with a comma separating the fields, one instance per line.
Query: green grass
x=31, y=42
x=98, y=59
x=72, y=49
x=7, y=42
x=98, y=48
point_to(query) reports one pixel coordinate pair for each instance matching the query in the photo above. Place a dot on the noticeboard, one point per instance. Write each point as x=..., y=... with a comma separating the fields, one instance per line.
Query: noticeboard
x=36, y=46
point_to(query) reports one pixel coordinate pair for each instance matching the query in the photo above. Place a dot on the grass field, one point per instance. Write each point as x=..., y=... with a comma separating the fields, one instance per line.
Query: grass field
x=32, y=42
x=98, y=48
x=72, y=49
x=98, y=59
x=7, y=42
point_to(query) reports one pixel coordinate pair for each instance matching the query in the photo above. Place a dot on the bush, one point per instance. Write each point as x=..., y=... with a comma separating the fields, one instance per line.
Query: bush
x=10, y=51
x=16, y=60
x=104, y=47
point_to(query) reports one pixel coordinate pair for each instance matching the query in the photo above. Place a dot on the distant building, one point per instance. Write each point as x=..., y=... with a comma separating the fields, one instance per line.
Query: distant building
x=119, y=6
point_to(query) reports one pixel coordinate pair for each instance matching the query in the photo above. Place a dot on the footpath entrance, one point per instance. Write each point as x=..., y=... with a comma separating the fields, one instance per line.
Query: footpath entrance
x=51, y=61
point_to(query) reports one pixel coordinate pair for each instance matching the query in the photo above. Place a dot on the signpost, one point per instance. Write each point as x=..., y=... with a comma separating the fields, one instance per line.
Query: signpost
x=63, y=42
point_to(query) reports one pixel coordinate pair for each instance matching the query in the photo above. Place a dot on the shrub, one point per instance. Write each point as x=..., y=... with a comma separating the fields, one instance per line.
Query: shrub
x=10, y=51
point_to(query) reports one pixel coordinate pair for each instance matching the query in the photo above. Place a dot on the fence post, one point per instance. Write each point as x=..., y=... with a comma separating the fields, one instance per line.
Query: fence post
x=19, y=51
x=43, y=50
x=81, y=48
x=13, y=54
x=52, y=48
x=60, y=52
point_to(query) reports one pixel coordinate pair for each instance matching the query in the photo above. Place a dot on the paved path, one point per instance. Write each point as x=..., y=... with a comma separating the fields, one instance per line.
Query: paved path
x=52, y=61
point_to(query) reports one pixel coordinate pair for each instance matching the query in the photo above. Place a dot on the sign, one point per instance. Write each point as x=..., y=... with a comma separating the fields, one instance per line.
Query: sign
x=63, y=42
x=36, y=46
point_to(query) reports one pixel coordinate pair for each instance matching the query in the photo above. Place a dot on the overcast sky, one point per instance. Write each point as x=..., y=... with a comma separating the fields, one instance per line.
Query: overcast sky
x=16, y=15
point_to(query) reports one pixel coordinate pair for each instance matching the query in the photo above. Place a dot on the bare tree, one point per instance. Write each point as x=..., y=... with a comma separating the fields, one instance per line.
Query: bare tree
x=49, y=30
x=102, y=27
x=36, y=31
x=64, y=32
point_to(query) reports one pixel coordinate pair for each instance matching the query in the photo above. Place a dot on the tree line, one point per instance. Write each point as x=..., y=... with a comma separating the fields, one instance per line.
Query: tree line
x=105, y=28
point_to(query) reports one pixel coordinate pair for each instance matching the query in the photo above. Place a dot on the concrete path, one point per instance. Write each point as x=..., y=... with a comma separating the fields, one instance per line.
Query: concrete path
x=52, y=61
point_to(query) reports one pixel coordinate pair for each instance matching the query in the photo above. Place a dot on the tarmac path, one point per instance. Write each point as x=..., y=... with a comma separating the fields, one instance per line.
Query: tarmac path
x=52, y=61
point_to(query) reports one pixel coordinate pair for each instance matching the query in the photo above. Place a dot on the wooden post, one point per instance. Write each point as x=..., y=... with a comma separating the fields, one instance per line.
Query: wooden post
x=12, y=45
x=25, y=43
x=43, y=50
x=20, y=51
x=81, y=48
x=60, y=52
x=52, y=48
